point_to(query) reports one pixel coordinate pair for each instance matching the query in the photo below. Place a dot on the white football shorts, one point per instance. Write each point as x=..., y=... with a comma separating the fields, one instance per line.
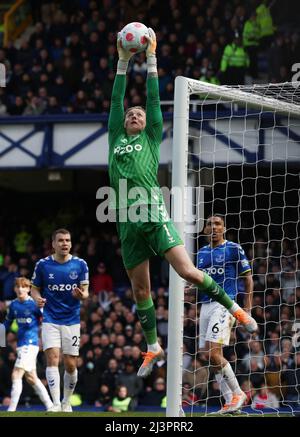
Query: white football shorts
x=26, y=357
x=64, y=337
x=215, y=324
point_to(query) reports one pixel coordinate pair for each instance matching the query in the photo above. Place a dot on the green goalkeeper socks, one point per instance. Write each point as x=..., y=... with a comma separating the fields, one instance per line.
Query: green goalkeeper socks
x=215, y=292
x=147, y=317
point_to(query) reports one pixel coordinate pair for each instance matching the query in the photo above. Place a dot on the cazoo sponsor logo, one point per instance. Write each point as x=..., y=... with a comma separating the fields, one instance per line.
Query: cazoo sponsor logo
x=62, y=287
x=121, y=150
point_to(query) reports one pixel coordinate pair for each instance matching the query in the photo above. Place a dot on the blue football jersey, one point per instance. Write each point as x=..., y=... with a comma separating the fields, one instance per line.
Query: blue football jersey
x=225, y=264
x=27, y=315
x=56, y=282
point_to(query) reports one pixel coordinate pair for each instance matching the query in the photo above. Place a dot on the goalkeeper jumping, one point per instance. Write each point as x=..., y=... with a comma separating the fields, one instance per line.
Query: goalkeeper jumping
x=134, y=142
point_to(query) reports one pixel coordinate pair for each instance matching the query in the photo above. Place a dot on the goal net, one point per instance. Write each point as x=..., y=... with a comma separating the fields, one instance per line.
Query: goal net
x=241, y=147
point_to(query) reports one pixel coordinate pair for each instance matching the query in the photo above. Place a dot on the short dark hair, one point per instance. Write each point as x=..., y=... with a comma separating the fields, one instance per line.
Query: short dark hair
x=60, y=231
x=216, y=215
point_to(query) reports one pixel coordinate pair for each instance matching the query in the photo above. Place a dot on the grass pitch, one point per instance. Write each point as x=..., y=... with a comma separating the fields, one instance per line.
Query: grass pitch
x=129, y=414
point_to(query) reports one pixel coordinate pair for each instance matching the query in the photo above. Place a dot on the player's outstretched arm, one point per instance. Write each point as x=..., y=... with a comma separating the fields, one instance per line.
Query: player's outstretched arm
x=36, y=296
x=81, y=293
x=154, y=123
x=116, y=114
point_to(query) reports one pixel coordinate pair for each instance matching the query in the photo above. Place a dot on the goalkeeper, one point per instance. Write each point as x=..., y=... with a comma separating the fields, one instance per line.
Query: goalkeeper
x=134, y=142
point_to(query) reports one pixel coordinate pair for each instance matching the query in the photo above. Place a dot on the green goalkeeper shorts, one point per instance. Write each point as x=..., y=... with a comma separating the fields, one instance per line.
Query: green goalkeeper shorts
x=142, y=240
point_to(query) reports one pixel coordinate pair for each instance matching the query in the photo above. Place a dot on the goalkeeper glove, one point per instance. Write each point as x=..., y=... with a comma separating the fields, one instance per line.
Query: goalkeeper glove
x=124, y=55
x=151, y=48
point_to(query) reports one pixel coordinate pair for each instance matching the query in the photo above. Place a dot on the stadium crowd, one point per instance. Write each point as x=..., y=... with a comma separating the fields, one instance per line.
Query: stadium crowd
x=67, y=64
x=111, y=336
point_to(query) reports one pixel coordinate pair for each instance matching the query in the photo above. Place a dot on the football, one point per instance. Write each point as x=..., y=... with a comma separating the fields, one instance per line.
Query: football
x=133, y=37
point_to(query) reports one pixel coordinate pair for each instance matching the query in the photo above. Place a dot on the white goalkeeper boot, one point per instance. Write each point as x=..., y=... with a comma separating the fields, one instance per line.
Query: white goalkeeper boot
x=237, y=402
x=150, y=358
x=246, y=320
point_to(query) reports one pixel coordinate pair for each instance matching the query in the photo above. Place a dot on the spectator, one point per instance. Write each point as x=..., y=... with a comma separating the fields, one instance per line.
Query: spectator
x=265, y=399
x=7, y=277
x=132, y=382
x=35, y=106
x=234, y=63
x=111, y=374
x=256, y=352
x=196, y=375
x=53, y=106
x=88, y=383
x=17, y=107
x=154, y=397
x=251, y=36
x=104, y=398
x=122, y=402
x=265, y=23
x=101, y=281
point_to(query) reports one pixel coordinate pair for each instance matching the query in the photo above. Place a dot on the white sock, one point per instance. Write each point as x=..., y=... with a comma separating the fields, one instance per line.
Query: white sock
x=234, y=308
x=53, y=379
x=231, y=380
x=16, y=390
x=224, y=388
x=70, y=380
x=155, y=347
x=42, y=393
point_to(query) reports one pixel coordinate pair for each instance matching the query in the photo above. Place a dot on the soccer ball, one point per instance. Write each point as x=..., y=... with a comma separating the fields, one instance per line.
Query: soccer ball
x=133, y=37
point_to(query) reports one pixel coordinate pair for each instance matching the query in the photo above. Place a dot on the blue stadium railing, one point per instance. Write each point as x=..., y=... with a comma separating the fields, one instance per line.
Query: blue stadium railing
x=28, y=128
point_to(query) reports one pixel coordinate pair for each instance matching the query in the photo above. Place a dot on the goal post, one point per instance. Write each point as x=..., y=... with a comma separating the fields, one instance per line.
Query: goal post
x=176, y=285
x=233, y=139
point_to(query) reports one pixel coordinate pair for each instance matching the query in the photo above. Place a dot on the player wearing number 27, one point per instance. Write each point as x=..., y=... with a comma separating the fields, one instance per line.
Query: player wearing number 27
x=134, y=142
x=226, y=262
x=59, y=283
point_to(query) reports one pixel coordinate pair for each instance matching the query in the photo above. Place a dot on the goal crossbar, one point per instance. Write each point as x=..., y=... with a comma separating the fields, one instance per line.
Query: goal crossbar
x=250, y=95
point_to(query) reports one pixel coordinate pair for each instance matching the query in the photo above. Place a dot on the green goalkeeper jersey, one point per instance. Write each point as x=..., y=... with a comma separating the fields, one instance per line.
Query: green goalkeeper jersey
x=135, y=159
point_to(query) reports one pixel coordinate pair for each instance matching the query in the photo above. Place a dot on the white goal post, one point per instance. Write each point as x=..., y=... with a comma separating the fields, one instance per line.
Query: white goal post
x=278, y=99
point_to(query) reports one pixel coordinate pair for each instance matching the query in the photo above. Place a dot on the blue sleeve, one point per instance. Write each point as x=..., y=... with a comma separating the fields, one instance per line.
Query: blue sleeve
x=243, y=263
x=84, y=273
x=37, y=277
x=198, y=257
x=9, y=317
x=38, y=312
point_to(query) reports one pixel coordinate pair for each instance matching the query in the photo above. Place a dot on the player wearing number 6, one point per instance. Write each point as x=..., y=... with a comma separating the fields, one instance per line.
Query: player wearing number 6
x=59, y=283
x=134, y=142
x=225, y=262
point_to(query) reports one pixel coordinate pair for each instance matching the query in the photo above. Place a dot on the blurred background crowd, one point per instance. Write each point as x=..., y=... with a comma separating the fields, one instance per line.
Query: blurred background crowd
x=67, y=61
x=111, y=337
